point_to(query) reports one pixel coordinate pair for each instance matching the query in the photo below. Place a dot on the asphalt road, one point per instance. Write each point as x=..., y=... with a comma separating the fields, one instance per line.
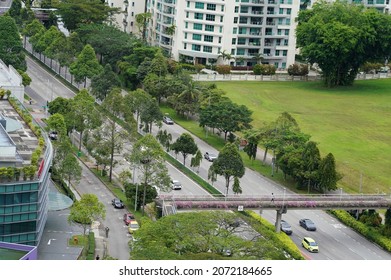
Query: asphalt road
x=336, y=242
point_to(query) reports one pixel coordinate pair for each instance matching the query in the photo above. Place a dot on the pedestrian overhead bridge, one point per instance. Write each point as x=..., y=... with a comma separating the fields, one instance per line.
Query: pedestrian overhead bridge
x=170, y=204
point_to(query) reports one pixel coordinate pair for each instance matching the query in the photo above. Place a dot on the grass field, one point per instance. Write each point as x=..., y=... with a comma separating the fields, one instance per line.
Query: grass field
x=353, y=123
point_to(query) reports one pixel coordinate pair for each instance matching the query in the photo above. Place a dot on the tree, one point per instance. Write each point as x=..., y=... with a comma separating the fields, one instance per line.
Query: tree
x=87, y=210
x=141, y=23
x=83, y=114
x=322, y=34
x=148, y=157
x=236, y=186
x=131, y=190
x=328, y=176
x=11, y=48
x=48, y=37
x=109, y=43
x=187, y=102
x=104, y=82
x=226, y=116
x=70, y=169
x=311, y=159
x=253, y=137
x=135, y=101
x=186, y=145
x=76, y=12
x=202, y=235
x=196, y=160
x=56, y=123
x=165, y=139
x=150, y=113
x=224, y=55
x=228, y=164
x=112, y=135
x=86, y=65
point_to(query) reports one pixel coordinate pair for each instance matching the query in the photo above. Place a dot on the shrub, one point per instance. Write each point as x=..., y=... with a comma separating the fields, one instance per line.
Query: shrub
x=199, y=67
x=264, y=69
x=298, y=69
x=223, y=69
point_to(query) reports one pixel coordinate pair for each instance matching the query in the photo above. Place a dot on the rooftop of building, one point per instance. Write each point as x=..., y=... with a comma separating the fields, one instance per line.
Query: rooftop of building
x=18, y=135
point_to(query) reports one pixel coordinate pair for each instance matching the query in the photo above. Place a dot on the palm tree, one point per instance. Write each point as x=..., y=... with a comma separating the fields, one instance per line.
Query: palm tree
x=258, y=58
x=239, y=59
x=225, y=55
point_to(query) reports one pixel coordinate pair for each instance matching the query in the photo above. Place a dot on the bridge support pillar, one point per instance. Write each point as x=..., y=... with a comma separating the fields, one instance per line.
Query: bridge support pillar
x=278, y=220
x=279, y=213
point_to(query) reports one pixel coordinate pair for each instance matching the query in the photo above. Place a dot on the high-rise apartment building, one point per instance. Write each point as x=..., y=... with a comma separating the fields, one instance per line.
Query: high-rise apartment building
x=199, y=31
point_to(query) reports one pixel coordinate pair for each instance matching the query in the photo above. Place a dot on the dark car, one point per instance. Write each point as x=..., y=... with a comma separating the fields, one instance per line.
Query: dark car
x=307, y=224
x=210, y=156
x=53, y=135
x=285, y=227
x=128, y=217
x=117, y=203
x=167, y=120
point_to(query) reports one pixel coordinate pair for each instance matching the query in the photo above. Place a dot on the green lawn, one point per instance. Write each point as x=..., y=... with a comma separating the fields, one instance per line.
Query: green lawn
x=353, y=123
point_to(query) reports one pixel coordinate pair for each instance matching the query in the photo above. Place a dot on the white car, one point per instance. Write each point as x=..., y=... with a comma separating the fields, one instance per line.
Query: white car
x=210, y=156
x=176, y=185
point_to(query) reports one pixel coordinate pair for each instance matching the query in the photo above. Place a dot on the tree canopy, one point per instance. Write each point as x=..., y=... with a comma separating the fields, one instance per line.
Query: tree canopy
x=77, y=12
x=340, y=37
x=11, y=49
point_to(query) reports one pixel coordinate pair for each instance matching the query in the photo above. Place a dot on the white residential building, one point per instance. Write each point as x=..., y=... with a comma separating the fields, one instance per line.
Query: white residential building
x=11, y=80
x=199, y=31
x=126, y=20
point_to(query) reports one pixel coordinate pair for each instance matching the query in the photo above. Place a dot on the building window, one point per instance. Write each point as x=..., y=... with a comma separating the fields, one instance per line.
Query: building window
x=208, y=38
x=235, y=19
x=221, y=18
x=240, y=51
x=276, y=64
x=233, y=51
x=197, y=37
x=188, y=4
x=283, y=65
x=284, y=53
x=241, y=41
x=198, y=15
x=235, y=30
x=233, y=41
x=222, y=8
x=186, y=24
x=196, y=48
x=185, y=35
x=197, y=26
x=277, y=52
x=219, y=40
x=208, y=49
x=288, y=11
x=185, y=46
x=221, y=29
x=209, y=27
x=287, y=32
x=210, y=17
x=281, y=11
x=211, y=7
x=236, y=9
x=187, y=14
x=199, y=5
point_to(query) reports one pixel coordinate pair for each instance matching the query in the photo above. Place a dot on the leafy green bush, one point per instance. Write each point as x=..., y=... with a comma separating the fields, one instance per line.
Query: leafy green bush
x=264, y=69
x=223, y=69
x=368, y=232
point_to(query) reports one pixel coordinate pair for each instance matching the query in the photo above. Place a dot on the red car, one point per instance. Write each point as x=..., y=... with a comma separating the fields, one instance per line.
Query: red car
x=128, y=217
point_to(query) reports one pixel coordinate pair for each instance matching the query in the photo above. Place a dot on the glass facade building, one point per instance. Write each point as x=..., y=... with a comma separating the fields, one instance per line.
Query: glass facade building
x=23, y=199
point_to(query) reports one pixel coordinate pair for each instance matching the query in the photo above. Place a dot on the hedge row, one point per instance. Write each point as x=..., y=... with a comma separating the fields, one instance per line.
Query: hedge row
x=368, y=232
x=91, y=246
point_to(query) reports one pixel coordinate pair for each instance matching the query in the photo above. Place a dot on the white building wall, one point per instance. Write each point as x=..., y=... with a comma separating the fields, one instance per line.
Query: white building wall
x=126, y=20
x=11, y=80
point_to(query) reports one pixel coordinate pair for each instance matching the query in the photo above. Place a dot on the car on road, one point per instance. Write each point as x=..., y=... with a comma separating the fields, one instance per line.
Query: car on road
x=128, y=217
x=176, y=185
x=210, y=156
x=310, y=245
x=307, y=224
x=167, y=120
x=133, y=226
x=53, y=135
x=286, y=227
x=117, y=203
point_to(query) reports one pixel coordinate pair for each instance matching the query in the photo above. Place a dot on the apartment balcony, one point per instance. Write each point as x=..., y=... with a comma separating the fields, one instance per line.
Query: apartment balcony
x=257, y=12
